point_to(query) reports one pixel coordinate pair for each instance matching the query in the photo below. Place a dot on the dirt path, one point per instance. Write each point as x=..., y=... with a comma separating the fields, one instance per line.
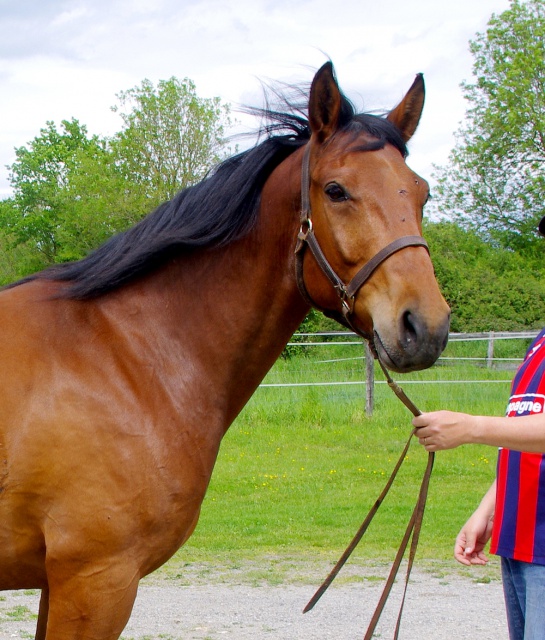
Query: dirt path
x=438, y=607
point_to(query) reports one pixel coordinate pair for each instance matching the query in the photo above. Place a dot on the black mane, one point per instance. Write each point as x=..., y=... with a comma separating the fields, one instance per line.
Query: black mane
x=220, y=209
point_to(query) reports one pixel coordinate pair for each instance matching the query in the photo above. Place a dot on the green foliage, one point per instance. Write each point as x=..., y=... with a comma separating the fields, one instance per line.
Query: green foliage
x=171, y=137
x=16, y=260
x=72, y=191
x=41, y=178
x=313, y=323
x=495, y=180
x=488, y=288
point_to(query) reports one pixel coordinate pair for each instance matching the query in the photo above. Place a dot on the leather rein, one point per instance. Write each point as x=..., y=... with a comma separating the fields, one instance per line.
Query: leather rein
x=347, y=295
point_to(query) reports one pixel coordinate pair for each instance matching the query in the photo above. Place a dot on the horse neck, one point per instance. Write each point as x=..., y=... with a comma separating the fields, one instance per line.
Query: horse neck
x=228, y=312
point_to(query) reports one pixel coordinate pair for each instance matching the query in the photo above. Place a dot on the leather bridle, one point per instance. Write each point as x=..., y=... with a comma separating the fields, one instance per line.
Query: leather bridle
x=347, y=295
x=346, y=292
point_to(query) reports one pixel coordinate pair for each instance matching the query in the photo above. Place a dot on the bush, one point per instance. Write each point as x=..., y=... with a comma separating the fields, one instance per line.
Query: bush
x=488, y=288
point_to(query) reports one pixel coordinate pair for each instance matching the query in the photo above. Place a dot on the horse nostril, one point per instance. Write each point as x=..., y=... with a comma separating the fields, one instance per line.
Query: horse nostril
x=410, y=330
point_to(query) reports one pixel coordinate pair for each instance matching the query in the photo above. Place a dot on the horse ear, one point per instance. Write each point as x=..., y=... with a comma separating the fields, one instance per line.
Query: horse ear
x=406, y=115
x=324, y=105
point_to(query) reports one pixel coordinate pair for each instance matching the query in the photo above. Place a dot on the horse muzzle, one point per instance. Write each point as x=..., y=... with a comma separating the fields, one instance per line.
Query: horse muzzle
x=413, y=344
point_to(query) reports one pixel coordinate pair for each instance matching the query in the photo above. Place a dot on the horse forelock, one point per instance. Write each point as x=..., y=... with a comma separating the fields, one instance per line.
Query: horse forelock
x=380, y=131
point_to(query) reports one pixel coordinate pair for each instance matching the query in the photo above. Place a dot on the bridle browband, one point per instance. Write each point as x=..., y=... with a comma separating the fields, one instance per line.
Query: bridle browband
x=346, y=292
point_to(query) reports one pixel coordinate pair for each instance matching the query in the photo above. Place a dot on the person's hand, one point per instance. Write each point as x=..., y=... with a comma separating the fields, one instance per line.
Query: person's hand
x=440, y=430
x=472, y=539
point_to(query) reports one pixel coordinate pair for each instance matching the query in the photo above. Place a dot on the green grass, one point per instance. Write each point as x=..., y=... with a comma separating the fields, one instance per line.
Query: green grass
x=21, y=613
x=301, y=467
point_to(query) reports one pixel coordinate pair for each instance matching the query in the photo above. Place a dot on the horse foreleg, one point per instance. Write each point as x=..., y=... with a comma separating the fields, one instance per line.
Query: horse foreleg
x=43, y=612
x=94, y=604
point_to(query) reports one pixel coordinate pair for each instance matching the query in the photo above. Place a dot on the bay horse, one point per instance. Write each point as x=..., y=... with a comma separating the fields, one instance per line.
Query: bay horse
x=121, y=372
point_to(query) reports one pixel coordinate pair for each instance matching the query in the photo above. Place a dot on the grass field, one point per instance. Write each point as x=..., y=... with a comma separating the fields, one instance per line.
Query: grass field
x=301, y=466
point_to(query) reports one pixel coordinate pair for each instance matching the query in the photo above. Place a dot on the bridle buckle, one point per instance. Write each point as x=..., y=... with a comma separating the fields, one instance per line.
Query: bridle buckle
x=347, y=301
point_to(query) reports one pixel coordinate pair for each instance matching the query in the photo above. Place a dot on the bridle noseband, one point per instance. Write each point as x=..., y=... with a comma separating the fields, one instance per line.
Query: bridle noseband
x=346, y=292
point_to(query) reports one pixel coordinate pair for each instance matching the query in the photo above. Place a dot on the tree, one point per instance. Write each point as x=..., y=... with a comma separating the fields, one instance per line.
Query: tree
x=40, y=177
x=488, y=288
x=495, y=179
x=171, y=137
x=72, y=190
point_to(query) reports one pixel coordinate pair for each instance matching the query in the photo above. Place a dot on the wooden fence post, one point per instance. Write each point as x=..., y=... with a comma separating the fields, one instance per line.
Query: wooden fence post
x=369, y=380
x=490, y=353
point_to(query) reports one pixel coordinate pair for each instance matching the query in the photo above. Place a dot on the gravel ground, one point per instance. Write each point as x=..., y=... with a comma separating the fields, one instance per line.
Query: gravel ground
x=441, y=607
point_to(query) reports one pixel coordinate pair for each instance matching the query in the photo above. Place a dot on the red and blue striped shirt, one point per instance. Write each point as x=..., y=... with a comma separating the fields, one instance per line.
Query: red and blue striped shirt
x=519, y=519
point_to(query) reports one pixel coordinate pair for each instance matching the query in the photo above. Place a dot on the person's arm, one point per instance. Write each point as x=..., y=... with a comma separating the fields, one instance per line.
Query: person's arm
x=439, y=430
x=472, y=539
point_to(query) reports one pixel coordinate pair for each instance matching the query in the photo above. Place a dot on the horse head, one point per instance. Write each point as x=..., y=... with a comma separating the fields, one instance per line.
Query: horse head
x=369, y=266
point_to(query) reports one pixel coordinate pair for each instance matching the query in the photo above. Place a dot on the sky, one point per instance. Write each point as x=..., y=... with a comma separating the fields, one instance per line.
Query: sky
x=63, y=59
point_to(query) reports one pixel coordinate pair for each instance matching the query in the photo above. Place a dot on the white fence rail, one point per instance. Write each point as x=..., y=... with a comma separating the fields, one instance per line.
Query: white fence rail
x=490, y=337
x=453, y=337
x=345, y=338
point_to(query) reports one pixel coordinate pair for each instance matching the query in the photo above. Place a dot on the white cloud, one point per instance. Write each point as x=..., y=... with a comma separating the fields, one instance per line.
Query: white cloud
x=68, y=58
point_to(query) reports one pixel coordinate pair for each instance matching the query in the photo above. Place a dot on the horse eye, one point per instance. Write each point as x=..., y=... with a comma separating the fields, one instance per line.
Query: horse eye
x=335, y=192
